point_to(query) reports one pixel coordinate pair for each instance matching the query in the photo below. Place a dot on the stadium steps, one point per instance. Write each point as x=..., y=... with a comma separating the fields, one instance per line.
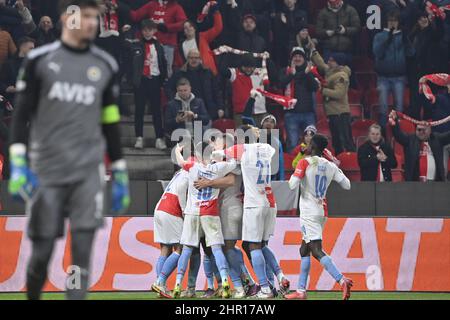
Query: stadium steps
x=148, y=163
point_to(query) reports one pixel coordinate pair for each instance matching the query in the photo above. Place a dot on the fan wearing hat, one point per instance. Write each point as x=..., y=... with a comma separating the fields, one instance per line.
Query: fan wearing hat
x=299, y=83
x=335, y=98
x=248, y=39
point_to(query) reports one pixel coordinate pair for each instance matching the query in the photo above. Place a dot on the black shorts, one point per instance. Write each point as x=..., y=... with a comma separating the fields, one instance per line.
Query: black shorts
x=82, y=202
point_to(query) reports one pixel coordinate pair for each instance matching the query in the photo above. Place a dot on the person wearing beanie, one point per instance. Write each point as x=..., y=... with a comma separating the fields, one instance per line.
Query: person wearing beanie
x=336, y=26
x=335, y=99
x=298, y=82
x=149, y=74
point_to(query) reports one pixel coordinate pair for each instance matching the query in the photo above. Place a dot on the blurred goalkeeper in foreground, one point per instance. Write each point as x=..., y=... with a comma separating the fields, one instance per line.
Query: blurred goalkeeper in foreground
x=66, y=108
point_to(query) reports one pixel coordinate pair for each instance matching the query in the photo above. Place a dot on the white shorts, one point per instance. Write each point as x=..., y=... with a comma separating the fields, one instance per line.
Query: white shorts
x=196, y=227
x=312, y=227
x=167, y=228
x=231, y=219
x=258, y=224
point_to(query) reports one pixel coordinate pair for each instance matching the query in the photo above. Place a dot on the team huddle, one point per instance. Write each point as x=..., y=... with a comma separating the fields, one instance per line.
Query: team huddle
x=223, y=194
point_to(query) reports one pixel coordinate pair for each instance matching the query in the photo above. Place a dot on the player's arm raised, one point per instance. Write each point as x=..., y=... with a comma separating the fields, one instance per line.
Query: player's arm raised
x=111, y=132
x=22, y=182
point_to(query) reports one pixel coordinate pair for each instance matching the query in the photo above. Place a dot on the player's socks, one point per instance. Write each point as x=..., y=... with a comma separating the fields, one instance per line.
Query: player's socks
x=221, y=262
x=216, y=270
x=331, y=268
x=304, y=272
x=235, y=268
x=259, y=265
x=183, y=263
x=169, y=266
x=271, y=260
x=194, y=267
x=208, y=264
x=270, y=274
x=159, y=264
x=244, y=270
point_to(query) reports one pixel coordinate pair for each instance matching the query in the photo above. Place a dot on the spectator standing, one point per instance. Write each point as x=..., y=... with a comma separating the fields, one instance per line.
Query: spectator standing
x=375, y=157
x=287, y=23
x=45, y=32
x=336, y=26
x=150, y=74
x=185, y=109
x=299, y=83
x=7, y=46
x=249, y=39
x=391, y=47
x=10, y=69
x=423, y=152
x=203, y=82
x=243, y=80
x=268, y=124
x=201, y=40
x=335, y=96
x=431, y=56
x=170, y=17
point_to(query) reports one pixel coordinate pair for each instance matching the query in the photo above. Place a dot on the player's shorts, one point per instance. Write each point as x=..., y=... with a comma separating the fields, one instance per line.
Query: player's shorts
x=82, y=202
x=231, y=219
x=258, y=224
x=167, y=228
x=312, y=227
x=196, y=227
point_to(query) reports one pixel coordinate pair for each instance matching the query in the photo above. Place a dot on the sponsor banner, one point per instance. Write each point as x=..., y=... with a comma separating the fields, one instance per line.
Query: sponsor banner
x=378, y=253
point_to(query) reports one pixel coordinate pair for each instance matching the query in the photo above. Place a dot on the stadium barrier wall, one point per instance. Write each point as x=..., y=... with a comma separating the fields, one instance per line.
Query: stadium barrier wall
x=390, y=254
x=365, y=199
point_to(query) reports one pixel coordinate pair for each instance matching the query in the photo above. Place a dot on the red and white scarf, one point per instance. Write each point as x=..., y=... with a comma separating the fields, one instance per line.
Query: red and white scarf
x=109, y=22
x=427, y=167
x=441, y=79
x=436, y=11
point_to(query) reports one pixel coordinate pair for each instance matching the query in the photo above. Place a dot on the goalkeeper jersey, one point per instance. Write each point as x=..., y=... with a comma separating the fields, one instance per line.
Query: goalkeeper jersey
x=67, y=95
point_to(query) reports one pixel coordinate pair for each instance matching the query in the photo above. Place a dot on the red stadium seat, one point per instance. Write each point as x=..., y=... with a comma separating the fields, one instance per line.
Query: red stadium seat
x=356, y=111
x=320, y=112
x=360, y=127
x=224, y=124
x=360, y=141
x=355, y=96
x=349, y=160
x=323, y=127
x=398, y=175
x=349, y=164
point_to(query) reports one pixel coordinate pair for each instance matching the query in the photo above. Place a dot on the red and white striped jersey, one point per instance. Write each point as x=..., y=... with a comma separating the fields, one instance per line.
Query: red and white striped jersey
x=314, y=175
x=204, y=202
x=173, y=200
x=255, y=162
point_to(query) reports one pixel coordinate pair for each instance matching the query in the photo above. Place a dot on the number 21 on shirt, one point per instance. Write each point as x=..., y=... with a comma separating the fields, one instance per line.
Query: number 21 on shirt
x=264, y=174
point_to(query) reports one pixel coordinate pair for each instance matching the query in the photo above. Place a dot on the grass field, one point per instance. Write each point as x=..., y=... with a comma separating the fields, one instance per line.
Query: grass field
x=313, y=295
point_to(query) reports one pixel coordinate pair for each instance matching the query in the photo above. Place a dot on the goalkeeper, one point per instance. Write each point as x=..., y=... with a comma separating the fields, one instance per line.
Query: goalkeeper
x=66, y=108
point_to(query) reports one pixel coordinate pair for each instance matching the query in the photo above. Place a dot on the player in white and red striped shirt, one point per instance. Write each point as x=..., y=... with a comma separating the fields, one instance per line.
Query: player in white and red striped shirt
x=314, y=175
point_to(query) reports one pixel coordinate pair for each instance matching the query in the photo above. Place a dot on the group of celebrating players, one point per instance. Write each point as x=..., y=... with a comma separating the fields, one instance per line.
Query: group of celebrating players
x=67, y=116
x=222, y=194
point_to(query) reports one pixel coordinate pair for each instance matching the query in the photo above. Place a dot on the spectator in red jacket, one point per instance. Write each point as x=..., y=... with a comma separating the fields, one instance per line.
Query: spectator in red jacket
x=194, y=40
x=170, y=17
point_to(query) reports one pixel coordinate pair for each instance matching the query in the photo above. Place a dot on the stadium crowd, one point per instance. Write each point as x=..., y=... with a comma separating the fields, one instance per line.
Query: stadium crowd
x=202, y=61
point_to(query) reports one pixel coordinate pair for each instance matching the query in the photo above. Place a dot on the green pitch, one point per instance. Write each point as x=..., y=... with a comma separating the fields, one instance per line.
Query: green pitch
x=313, y=295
